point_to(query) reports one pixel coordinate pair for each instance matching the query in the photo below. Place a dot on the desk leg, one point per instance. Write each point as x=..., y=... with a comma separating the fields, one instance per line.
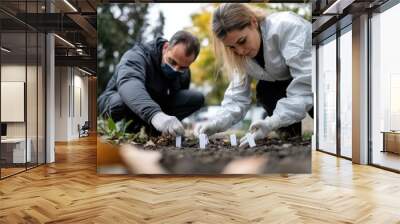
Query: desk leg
x=384, y=143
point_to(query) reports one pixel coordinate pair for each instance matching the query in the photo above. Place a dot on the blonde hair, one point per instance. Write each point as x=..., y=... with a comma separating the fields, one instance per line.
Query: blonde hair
x=229, y=17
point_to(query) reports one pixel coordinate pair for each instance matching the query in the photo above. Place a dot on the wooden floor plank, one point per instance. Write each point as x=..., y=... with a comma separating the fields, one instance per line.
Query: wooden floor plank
x=70, y=191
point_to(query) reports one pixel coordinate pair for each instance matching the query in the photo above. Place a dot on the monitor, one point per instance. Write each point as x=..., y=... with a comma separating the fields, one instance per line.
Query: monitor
x=3, y=129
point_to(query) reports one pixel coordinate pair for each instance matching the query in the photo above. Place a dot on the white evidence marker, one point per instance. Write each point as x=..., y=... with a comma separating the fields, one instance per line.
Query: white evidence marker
x=233, y=140
x=203, y=139
x=250, y=140
x=178, y=141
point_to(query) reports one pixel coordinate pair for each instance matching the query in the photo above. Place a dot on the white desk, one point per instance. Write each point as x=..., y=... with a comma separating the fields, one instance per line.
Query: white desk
x=18, y=150
x=391, y=141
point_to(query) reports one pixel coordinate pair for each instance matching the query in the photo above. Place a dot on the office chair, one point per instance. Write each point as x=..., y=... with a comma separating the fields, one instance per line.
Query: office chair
x=84, y=130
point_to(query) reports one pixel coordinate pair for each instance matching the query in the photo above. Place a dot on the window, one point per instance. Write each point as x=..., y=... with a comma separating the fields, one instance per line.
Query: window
x=385, y=86
x=346, y=93
x=327, y=96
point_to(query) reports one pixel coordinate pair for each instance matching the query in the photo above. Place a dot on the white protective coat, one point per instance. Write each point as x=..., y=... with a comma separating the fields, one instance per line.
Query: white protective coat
x=287, y=54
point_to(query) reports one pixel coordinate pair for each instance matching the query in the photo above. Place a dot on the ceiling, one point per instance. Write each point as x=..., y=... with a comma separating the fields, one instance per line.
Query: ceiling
x=74, y=22
x=332, y=15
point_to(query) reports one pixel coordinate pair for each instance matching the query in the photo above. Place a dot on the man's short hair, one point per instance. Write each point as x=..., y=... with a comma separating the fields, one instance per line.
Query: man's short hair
x=191, y=42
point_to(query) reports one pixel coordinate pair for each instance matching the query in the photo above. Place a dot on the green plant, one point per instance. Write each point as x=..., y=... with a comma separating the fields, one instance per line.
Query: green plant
x=116, y=132
x=307, y=136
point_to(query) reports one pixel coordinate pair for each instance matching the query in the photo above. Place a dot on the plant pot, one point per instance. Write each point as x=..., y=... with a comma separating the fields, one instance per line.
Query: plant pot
x=107, y=153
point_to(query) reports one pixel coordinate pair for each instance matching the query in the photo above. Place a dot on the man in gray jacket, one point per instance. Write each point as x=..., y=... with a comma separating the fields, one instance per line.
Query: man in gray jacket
x=150, y=85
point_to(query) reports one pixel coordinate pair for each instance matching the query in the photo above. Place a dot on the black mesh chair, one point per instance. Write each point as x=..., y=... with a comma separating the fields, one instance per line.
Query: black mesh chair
x=84, y=130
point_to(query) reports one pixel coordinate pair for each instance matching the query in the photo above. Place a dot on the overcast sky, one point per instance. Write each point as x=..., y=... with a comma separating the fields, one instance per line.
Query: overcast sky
x=177, y=15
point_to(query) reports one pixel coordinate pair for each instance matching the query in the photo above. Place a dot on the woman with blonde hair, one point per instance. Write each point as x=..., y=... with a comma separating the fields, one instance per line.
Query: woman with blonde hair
x=274, y=49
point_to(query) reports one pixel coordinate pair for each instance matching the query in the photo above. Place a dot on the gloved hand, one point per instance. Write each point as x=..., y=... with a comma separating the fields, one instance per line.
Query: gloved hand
x=211, y=127
x=167, y=124
x=260, y=130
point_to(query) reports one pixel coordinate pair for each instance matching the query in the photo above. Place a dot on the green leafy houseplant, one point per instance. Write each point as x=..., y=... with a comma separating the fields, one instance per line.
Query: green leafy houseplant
x=116, y=132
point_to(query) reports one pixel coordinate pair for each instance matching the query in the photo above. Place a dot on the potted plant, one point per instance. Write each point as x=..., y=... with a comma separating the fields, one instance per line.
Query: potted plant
x=111, y=135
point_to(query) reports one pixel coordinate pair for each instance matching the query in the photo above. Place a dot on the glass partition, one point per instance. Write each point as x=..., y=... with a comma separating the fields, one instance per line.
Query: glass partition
x=22, y=78
x=14, y=153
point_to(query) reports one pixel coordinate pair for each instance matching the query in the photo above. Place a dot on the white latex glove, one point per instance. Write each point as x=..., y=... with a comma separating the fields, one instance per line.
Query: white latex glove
x=167, y=124
x=211, y=127
x=260, y=130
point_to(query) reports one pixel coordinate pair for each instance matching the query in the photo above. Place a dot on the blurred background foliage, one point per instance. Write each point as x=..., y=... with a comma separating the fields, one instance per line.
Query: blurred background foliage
x=120, y=26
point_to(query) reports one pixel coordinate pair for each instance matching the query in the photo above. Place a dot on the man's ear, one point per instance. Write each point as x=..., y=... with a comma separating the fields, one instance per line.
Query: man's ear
x=166, y=45
x=164, y=49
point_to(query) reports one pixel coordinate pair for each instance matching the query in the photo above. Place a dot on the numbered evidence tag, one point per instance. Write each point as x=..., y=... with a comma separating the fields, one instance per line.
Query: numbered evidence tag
x=203, y=141
x=250, y=140
x=233, y=140
x=178, y=141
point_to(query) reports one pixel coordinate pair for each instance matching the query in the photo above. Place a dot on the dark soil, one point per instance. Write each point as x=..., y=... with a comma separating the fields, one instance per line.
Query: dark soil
x=284, y=156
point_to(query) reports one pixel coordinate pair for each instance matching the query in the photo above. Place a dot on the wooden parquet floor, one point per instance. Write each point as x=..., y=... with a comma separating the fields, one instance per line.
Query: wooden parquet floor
x=70, y=191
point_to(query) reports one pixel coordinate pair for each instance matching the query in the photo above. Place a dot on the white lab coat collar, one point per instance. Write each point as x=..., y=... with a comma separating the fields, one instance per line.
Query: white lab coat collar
x=255, y=70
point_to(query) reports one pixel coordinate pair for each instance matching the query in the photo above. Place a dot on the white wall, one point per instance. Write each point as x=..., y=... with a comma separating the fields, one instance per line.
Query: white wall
x=17, y=73
x=61, y=103
x=12, y=73
x=71, y=94
x=81, y=85
x=33, y=126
